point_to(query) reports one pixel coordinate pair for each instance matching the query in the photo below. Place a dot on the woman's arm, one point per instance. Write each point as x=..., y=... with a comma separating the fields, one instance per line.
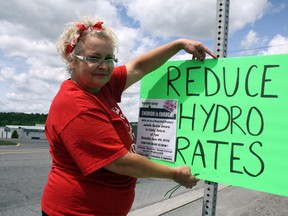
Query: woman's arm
x=138, y=166
x=153, y=59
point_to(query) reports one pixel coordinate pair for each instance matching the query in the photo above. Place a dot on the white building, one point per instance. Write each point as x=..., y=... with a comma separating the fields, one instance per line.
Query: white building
x=5, y=132
x=23, y=132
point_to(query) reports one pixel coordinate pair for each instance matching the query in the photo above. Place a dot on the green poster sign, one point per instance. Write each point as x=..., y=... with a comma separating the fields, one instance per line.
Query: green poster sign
x=232, y=121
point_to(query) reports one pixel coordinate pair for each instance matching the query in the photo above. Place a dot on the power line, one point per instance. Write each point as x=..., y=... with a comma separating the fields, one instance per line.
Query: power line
x=257, y=48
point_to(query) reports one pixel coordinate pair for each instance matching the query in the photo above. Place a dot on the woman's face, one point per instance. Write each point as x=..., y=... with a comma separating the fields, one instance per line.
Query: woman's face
x=91, y=75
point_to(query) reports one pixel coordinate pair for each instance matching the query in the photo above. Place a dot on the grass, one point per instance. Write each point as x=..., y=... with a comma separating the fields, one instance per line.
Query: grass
x=6, y=142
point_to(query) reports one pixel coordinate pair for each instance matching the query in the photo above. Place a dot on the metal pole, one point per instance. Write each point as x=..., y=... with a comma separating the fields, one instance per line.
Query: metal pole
x=220, y=49
x=222, y=24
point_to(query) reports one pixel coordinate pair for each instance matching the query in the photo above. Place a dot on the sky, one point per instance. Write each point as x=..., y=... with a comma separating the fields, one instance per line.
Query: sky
x=31, y=70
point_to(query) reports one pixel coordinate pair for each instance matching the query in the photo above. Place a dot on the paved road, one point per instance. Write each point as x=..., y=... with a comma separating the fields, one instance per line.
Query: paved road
x=23, y=173
x=24, y=169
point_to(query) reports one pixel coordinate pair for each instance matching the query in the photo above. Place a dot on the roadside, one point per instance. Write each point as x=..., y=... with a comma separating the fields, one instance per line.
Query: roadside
x=176, y=202
x=231, y=201
x=7, y=142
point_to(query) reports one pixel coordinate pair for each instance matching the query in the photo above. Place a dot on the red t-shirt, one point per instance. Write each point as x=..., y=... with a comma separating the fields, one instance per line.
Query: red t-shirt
x=87, y=132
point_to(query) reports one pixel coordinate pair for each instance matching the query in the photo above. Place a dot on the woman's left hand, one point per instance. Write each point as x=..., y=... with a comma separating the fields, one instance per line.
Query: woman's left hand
x=197, y=49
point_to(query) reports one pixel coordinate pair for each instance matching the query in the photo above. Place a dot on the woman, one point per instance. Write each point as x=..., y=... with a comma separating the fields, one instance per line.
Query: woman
x=94, y=167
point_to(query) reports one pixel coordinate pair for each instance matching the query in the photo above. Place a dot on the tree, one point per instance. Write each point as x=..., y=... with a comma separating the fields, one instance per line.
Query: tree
x=13, y=118
x=15, y=134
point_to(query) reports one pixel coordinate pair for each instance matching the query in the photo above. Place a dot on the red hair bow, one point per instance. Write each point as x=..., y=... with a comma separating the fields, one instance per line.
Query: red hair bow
x=97, y=26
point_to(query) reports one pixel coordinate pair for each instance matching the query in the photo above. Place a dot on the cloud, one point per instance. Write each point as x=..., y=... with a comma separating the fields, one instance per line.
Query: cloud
x=278, y=45
x=131, y=42
x=278, y=8
x=15, y=97
x=243, y=12
x=172, y=18
x=250, y=40
x=46, y=18
x=194, y=19
x=7, y=73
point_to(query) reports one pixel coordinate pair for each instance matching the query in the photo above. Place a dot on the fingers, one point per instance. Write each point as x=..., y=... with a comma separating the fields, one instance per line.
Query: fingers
x=200, y=52
x=192, y=183
x=185, y=178
x=211, y=53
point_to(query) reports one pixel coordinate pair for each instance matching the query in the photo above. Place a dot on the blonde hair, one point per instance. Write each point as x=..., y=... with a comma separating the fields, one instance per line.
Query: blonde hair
x=75, y=36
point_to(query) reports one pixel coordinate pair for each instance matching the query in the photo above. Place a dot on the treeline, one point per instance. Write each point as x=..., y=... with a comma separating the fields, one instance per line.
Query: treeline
x=12, y=118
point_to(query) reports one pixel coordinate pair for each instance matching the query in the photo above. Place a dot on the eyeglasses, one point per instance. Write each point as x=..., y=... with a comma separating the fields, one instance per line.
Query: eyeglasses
x=109, y=61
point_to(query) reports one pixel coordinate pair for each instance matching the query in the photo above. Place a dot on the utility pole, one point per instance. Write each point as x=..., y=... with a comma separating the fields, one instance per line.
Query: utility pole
x=220, y=49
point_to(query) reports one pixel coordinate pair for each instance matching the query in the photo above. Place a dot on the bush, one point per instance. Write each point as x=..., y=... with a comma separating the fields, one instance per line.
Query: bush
x=15, y=135
x=6, y=142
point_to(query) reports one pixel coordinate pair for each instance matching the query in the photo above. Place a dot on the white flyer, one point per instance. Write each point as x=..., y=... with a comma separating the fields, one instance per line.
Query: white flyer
x=156, y=133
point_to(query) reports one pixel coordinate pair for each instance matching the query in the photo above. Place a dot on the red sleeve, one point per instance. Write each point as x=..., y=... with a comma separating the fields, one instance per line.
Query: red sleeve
x=92, y=141
x=118, y=82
